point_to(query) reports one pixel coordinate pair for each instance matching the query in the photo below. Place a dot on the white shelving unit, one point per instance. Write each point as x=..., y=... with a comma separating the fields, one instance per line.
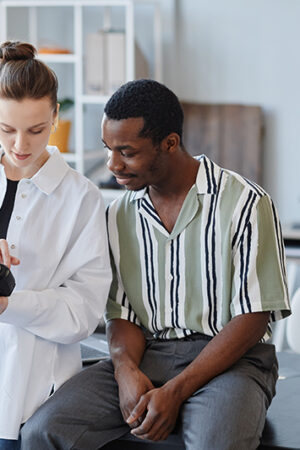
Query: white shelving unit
x=29, y=11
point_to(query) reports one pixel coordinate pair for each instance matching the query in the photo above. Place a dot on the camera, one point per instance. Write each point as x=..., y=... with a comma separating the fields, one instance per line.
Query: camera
x=7, y=281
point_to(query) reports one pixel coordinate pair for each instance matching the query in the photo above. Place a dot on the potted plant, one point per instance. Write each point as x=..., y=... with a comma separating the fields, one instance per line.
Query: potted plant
x=60, y=137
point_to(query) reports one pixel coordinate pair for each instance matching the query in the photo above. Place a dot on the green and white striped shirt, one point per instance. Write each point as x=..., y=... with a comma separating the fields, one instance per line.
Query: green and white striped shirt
x=223, y=258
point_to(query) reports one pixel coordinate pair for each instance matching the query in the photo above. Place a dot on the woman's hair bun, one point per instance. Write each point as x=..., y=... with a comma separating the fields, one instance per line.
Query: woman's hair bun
x=24, y=76
x=16, y=50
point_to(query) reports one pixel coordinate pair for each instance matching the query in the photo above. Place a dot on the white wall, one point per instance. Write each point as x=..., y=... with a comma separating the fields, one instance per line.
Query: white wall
x=242, y=51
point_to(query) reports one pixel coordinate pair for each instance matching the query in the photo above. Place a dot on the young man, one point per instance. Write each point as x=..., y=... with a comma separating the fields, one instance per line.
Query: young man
x=198, y=274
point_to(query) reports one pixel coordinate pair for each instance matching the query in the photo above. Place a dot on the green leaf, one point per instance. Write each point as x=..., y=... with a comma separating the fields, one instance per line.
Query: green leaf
x=65, y=104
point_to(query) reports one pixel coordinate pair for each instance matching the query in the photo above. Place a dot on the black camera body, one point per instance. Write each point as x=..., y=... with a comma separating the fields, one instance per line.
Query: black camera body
x=7, y=281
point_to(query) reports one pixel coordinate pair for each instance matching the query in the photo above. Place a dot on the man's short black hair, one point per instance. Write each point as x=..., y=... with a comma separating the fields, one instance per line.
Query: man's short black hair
x=154, y=102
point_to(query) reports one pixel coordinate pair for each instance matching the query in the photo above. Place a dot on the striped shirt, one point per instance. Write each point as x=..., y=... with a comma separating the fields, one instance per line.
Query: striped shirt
x=224, y=257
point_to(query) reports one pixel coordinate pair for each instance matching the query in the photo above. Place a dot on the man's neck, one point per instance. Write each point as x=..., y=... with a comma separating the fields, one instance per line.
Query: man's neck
x=181, y=177
x=168, y=197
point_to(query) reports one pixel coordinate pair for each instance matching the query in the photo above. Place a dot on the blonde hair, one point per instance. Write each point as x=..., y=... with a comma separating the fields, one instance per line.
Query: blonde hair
x=24, y=76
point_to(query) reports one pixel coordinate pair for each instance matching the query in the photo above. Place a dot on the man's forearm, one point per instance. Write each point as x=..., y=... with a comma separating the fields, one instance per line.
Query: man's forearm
x=127, y=346
x=220, y=353
x=126, y=343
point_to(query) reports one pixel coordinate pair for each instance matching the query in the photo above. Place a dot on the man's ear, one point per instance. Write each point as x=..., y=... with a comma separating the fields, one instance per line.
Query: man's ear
x=171, y=142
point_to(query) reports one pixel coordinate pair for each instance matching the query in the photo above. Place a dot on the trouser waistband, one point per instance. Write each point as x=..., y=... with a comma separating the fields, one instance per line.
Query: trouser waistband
x=191, y=337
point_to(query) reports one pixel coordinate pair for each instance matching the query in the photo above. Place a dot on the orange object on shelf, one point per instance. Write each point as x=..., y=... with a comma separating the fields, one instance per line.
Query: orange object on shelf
x=54, y=50
x=60, y=137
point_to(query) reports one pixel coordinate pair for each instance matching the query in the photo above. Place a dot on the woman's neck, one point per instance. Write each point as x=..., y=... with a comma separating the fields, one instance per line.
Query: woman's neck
x=16, y=173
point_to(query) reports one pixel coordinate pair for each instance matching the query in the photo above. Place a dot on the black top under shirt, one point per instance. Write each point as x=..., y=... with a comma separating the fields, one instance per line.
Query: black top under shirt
x=7, y=207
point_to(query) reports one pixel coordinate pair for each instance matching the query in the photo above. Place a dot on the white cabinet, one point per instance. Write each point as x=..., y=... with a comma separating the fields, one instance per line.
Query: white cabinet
x=71, y=25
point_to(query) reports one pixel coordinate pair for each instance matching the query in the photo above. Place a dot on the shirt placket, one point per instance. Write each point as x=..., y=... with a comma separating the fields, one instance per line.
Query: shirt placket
x=169, y=285
x=17, y=217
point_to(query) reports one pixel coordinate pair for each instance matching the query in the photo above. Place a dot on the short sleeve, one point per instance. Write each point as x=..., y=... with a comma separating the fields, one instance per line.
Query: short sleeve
x=259, y=274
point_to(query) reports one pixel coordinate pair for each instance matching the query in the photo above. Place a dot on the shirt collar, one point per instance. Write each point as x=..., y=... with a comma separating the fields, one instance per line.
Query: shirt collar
x=136, y=195
x=206, y=181
x=51, y=173
x=208, y=176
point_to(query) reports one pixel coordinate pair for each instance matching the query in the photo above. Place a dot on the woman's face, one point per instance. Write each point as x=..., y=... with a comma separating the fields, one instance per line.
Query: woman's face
x=25, y=127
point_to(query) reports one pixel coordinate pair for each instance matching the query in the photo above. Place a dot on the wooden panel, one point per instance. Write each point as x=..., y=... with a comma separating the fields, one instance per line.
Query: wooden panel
x=231, y=135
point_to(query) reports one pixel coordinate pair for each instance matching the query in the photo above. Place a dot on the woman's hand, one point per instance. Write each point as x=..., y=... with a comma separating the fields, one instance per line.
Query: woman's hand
x=3, y=304
x=8, y=260
x=5, y=257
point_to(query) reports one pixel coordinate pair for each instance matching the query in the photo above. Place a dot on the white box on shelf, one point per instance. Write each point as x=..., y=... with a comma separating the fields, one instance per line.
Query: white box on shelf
x=115, y=61
x=95, y=64
x=141, y=63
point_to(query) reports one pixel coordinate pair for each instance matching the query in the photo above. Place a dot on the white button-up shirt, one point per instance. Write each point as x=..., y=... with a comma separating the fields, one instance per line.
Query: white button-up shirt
x=57, y=230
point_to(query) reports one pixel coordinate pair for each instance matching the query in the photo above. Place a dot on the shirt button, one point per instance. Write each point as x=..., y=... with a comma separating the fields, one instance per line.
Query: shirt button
x=18, y=217
x=13, y=246
x=23, y=195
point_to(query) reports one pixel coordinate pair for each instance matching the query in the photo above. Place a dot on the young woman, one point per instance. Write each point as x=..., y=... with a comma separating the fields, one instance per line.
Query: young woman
x=53, y=236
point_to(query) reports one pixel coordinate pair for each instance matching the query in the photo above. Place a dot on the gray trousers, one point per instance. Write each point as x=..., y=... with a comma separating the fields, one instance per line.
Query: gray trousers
x=226, y=414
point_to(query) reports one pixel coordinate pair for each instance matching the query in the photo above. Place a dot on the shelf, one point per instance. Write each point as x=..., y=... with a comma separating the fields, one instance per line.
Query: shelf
x=94, y=154
x=58, y=57
x=68, y=28
x=94, y=99
x=87, y=155
x=291, y=232
x=59, y=3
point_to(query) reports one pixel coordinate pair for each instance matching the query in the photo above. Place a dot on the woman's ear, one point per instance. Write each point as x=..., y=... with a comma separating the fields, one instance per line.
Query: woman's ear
x=55, y=118
x=56, y=114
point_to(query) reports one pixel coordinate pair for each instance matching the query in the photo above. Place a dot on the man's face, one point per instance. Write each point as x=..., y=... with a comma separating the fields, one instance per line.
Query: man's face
x=134, y=161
